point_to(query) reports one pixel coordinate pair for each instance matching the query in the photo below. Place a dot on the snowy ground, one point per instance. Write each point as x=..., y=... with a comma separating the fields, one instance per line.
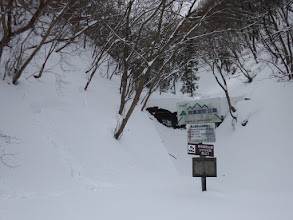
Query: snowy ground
x=69, y=166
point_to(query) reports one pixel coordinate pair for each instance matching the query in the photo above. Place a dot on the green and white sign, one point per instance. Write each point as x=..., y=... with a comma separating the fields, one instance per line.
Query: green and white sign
x=199, y=111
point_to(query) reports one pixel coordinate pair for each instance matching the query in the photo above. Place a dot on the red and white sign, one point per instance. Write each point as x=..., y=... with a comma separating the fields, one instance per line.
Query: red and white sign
x=191, y=149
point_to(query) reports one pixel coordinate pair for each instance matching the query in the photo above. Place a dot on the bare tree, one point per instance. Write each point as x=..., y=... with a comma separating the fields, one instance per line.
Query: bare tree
x=215, y=58
x=7, y=158
x=18, y=17
x=277, y=36
x=28, y=27
x=267, y=23
x=146, y=49
x=43, y=40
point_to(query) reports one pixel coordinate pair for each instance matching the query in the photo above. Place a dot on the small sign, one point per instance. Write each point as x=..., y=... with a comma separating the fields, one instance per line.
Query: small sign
x=201, y=149
x=191, y=149
x=199, y=133
x=199, y=111
x=204, y=167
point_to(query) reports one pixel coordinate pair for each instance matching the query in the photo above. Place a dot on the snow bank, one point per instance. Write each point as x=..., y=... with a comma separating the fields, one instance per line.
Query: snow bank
x=65, y=135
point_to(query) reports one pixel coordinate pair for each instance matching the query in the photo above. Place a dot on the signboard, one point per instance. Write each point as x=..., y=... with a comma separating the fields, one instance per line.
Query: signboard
x=204, y=167
x=199, y=111
x=191, y=149
x=201, y=149
x=199, y=133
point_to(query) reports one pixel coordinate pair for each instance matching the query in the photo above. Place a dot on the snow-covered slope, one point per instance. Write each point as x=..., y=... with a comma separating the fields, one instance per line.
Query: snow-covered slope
x=69, y=166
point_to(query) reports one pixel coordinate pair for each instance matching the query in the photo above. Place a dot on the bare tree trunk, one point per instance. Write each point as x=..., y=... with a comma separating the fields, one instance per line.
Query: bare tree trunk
x=119, y=130
x=146, y=100
x=96, y=64
x=51, y=50
x=232, y=110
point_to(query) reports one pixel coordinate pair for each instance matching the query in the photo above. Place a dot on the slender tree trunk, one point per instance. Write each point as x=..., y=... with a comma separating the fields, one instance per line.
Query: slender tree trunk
x=125, y=63
x=146, y=100
x=51, y=50
x=232, y=110
x=120, y=128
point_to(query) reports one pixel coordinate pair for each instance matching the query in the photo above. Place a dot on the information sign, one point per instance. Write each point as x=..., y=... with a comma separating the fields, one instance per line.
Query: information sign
x=199, y=111
x=204, y=167
x=200, y=133
x=201, y=149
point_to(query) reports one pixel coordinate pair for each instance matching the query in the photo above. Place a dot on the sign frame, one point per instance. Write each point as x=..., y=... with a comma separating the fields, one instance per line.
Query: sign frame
x=204, y=167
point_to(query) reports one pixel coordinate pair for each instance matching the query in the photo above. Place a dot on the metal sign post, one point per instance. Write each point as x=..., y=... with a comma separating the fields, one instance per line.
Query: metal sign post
x=203, y=183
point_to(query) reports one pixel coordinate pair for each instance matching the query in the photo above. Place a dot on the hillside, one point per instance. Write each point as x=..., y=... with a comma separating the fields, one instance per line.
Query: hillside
x=67, y=165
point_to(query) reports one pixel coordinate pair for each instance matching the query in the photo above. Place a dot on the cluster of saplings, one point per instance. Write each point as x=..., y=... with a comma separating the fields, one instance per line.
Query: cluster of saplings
x=151, y=44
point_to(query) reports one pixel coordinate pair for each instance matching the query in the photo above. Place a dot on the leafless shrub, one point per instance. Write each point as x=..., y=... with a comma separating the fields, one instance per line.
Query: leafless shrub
x=8, y=159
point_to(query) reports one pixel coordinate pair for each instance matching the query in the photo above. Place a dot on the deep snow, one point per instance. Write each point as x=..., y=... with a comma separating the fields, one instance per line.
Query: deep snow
x=69, y=166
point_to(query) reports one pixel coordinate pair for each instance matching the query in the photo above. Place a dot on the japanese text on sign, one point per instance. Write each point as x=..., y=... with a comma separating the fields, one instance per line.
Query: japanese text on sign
x=201, y=149
x=199, y=111
x=199, y=133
